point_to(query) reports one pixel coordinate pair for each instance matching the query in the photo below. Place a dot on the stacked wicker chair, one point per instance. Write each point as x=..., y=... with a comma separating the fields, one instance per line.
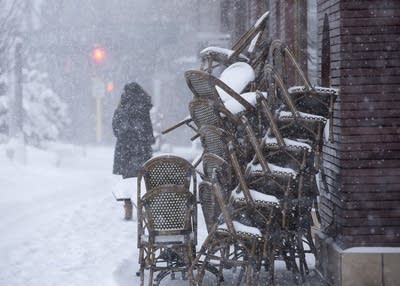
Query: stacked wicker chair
x=262, y=139
x=167, y=217
x=249, y=48
x=282, y=155
x=251, y=211
x=295, y=136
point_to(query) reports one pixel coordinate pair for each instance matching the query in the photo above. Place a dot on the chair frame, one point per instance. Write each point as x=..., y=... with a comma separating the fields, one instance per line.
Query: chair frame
x=163, y=172
x=166, y=246
x=302, y=157
x=255, y=33
x=308, y=91
x=153, y=175
x=194, y=76
x=236, y=248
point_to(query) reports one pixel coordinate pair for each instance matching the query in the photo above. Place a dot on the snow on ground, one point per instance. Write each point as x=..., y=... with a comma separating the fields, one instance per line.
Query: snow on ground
x=60, y=224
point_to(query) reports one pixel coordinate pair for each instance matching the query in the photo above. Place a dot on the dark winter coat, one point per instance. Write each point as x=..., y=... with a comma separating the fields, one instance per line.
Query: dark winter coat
x=132, y=126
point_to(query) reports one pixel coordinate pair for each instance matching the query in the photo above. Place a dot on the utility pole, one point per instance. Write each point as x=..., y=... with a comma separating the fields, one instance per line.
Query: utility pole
x=98, y=89
x=16, y=149
x=98, y=92
x=18, y=110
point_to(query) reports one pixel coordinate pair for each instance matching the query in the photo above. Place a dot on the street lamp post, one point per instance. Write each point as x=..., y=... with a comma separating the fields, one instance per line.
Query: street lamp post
x=98, y=91
x=98, y=55
x=16, y=149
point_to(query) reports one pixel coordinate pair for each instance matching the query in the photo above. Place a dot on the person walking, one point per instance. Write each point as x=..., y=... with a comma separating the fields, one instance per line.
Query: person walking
x=133, y=129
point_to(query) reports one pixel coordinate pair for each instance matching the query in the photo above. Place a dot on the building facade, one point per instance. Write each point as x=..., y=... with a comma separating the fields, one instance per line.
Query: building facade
x=358, y=51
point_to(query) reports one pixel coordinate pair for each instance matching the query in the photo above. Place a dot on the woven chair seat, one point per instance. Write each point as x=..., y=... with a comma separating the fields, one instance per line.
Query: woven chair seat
x=260, y=199
x=204, y=112
x=317, y=89
x=306, y=128
x=167, y=239
x=256, y=170
x=271, y=143
x=242, y=230
x=282, y=115
x=209, y=204
x=319, y=100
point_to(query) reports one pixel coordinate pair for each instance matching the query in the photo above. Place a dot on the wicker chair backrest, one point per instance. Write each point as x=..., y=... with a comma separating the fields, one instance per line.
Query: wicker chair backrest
x=204, y=112
x=214, y=140
x=169, y=209
x=167, y=170
x=199, y=83
x=209, y=204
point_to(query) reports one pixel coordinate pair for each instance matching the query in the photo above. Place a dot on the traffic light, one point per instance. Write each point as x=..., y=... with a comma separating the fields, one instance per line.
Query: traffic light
x=98, y=54
x=110, y=86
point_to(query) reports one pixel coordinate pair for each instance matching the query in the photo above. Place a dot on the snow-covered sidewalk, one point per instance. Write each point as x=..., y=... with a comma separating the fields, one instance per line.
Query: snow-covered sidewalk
x=60, y=224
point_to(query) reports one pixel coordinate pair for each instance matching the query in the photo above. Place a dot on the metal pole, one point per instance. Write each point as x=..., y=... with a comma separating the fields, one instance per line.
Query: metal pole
x=99, y=125
x=16, y=149
x=98, y=91
x=18, y=111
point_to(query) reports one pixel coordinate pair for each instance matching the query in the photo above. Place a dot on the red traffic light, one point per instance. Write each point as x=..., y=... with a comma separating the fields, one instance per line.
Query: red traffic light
x=110, y=86
x=98, y=55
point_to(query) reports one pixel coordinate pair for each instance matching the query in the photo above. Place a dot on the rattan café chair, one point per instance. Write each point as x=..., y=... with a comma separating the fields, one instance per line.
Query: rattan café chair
x=167, y=169
x=167, y=237
x=213, y=57
x=204, y=85
x=169, y=174
x=229, y=243
x=299, y=156
x=318, y=100
x=207, y=198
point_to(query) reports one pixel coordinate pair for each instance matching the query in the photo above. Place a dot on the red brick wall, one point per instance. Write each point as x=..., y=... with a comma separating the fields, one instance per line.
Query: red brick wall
x=363, y=165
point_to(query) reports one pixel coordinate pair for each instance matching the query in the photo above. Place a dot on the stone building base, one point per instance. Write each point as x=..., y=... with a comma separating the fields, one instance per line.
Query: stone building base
x=357, y=266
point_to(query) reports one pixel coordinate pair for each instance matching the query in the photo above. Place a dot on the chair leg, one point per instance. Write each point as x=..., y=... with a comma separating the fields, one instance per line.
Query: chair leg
x=302, y=257
x=151, y=263
x=271, y=262
x=200, y=268
x=292, y=255
x=151, y=274
x=140, y=273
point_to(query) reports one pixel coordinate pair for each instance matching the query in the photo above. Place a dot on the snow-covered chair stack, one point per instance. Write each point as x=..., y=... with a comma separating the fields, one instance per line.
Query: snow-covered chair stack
x=241, y=67
x=296, y=121
x=252, y=211
x=229, y=244
x=261, y=152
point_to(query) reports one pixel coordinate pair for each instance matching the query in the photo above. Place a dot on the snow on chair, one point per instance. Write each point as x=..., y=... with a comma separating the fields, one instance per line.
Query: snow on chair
x=235, y=79
x=300, y=157
x=213, y=57
x=230, y=243
x=306, y=98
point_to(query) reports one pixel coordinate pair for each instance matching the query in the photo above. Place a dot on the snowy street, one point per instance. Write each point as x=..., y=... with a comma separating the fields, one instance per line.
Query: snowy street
x=60, y=224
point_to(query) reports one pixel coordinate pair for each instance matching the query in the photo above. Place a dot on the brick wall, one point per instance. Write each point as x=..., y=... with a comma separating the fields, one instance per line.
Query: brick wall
x=363, y=165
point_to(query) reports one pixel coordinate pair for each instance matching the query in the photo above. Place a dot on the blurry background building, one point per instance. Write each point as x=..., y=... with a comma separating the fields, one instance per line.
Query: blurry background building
x=151, y=42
